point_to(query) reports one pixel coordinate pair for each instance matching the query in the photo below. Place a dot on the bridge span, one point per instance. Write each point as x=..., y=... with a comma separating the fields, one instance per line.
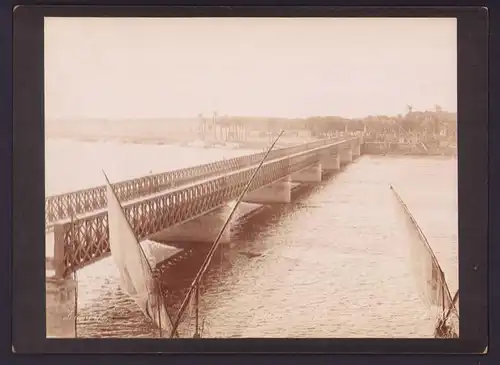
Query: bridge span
x=173, y=206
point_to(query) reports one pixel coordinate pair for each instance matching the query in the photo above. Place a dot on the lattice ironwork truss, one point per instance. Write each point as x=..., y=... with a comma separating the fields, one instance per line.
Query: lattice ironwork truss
x=155, y=203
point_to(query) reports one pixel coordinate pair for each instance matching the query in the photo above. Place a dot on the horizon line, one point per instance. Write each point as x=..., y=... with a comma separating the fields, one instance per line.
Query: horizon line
x=196, y=117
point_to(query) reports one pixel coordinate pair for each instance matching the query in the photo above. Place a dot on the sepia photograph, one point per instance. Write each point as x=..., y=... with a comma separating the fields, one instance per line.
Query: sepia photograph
x=251, y=177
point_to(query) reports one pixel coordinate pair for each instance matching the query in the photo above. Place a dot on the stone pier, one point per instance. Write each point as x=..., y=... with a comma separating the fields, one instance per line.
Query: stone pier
x=345, y=155
x=60, y=307
x=310, y=174
x=330, y=161
x=202, y=229
x=356, y=150
x=279, y=192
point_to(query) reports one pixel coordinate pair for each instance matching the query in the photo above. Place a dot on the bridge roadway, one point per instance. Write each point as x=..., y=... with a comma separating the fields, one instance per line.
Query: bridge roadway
x=167, y=205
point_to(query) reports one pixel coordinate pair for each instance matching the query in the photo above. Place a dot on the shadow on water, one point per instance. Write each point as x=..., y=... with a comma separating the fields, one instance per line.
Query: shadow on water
x=178, y=272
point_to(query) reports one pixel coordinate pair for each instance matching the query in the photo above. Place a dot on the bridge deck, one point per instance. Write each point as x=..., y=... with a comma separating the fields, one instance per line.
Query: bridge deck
x=187, y=185
x=63, y=206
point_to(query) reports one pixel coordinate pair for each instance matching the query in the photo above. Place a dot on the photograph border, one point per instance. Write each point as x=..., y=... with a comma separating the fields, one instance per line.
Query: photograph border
x=28, y=284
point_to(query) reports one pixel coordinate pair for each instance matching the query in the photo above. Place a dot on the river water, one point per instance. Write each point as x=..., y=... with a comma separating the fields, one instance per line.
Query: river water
x=333, y=263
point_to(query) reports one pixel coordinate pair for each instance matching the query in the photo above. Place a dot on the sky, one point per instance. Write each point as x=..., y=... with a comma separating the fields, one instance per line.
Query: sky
x=277, y=67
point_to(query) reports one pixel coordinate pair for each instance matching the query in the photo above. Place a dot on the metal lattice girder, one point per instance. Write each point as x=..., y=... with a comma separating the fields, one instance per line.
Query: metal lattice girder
x=63, y=206
x=85, y=240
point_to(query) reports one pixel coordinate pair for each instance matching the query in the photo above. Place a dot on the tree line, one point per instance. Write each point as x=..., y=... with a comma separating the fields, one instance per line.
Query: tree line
x=422, y=122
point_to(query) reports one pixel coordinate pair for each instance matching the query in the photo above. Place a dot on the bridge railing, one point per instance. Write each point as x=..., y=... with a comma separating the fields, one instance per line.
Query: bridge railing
x=82, y=241
x=64, y=206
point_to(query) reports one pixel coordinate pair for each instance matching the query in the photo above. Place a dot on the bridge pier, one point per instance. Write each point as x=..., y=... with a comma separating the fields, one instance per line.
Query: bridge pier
x=356, y=150
x=279, y=192
x=60, y=307
x=202, y=229
x=345, y=155
x=310, y=174
x=331, y=162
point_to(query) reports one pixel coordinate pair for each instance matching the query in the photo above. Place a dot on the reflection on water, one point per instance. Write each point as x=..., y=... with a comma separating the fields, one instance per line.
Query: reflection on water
x=334, y=263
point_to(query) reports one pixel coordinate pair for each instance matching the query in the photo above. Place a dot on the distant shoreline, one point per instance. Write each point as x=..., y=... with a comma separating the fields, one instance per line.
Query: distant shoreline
x=380, y=150
x=256, y=144
x=406, y=149
x=142, y=140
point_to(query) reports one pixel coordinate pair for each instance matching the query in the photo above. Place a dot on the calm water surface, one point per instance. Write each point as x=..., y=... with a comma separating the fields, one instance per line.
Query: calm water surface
x=334, y=263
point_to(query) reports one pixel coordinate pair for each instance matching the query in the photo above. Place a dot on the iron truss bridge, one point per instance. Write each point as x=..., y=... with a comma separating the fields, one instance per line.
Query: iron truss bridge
x=79, y=220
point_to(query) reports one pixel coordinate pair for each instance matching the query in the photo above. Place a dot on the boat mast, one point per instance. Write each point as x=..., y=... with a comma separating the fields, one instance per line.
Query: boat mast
x=197, y=333
x=196, y=282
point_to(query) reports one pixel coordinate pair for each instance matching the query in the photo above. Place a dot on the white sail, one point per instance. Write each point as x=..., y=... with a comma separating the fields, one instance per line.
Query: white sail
x=135, y=271
x=430, y=277
x=156, y=252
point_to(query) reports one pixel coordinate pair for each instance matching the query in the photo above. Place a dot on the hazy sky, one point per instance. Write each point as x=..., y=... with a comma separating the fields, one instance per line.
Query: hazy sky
x=292, y=67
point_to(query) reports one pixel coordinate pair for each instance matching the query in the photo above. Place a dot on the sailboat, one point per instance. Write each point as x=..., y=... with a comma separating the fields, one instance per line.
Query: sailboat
x=431, y=279
x=137, y=272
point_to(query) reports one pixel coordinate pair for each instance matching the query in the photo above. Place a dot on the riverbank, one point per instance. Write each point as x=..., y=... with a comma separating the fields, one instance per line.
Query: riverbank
x=406, y=149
